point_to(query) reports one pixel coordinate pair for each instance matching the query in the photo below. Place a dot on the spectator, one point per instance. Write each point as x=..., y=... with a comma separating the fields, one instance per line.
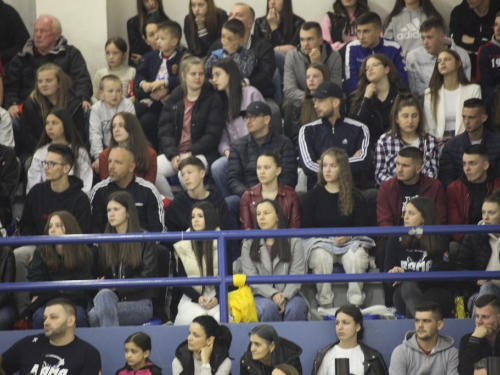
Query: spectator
x=59, y=345
x=275, y=256
x=149, y=36
x=335, y=193
x=372, y=102
x=137, y=351
x=448, y=87
x=268, y=170
x=110, y=89
x=273, y=350
x=207, y=348
x=333, y=130
x=124, y=260
x=484, y=341
x=9, y=178
x=488, y=64
x=474, y=116
x=419, y=253
x=481, y=367
x=425, y=349
x=60, y=263
x=235, y=98
x=284, y=369
x=203, y=25
x=13, y=33
x=8, y=312
x=420, y=61
x=147, y=10
x=407, y=129
x=350, y=331
x=369, y=27
x=126, y=130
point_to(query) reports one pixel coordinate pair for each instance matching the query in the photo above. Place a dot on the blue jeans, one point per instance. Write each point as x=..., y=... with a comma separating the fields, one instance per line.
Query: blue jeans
x=219, y=174
x=8, y=317
x=108, y=311
x=267, y=311
x=81, y=317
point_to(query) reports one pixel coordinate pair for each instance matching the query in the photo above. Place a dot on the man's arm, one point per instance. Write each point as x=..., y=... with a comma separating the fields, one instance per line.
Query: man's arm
x=398, y=362
x=288, y=174
x=469, y=353
x=98, y=207
x=80, y=75
x=291, y=88
x=351, y=69
x=399, y=63
x=308, y=157
x=264, y=70
x=91, y=362
x=154, y=210
x=359, y=162
x=385, y=216
x=235, y=173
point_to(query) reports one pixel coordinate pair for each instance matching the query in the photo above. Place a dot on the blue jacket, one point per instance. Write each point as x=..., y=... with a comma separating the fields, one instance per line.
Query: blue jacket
x=245, y=59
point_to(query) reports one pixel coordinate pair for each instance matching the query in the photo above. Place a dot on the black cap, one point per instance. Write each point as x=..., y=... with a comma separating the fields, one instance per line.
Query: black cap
x=326, y=89
x=257, y=108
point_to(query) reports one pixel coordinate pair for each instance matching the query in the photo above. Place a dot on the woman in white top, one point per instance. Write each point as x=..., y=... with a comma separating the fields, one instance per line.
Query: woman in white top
x=444, y=99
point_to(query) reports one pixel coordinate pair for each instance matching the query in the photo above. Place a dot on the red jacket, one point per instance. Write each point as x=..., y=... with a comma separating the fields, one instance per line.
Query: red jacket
x=287, y=199
x=389, y=200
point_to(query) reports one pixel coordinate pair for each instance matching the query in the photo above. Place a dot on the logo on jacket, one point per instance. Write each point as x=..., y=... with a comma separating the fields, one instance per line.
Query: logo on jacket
x=421, y=265
x=344, y=142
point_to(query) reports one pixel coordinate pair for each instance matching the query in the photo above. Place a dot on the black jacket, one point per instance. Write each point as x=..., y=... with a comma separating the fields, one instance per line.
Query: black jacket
x=185, y=356
x=207, y=123
x=472, y=349
x=7, y=273
x=207, y=40
x=9, y=178
x=242, y=163
x=276, y=37
x=374, y=362
x=13, y=32
x=291, y=356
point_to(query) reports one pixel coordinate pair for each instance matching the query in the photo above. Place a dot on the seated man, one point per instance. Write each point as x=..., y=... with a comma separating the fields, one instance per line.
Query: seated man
x=488, y=68
x=425, y=351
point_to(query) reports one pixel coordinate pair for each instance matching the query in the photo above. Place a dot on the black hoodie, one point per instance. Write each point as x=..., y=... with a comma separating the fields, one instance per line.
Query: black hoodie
x=477, y=193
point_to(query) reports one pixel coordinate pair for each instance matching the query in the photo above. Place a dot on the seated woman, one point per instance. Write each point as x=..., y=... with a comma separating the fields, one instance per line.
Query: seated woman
x=61, y=263
x=419, y=253
x=362, y=358
x=198, y=259
x=190, y=124
x=124, y=260
x=407, y=129
x=372, y=102
x=59, y=128
x=274, y=256
x=335, y=203
x=8, y=312
x=127, y=130
x=268, y=350
x=268, y=170
x=206, y=350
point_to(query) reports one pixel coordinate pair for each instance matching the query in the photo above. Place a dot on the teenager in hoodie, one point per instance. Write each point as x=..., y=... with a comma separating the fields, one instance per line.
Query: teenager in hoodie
x=425, y=351
x=488, y=63
x=137, y=351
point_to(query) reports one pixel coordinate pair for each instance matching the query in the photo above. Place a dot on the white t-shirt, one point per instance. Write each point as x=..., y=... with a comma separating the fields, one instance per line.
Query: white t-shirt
x=356, y=360
x=450, y=112
x=494, y=262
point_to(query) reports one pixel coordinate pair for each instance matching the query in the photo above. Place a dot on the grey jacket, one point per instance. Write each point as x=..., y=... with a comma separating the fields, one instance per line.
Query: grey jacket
x=409, y=359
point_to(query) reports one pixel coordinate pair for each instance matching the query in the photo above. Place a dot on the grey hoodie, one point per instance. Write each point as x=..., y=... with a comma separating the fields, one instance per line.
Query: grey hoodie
x=409, y=359
x=404, y=28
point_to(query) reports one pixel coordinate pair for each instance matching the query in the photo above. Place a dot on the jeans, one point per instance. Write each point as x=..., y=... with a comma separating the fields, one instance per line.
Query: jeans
x=81, y=317
x=8, y=317
x=295, y=310
x=219, y=174
x=489, y=288
x=22, y=255
x=108, y=311
x=408, y=296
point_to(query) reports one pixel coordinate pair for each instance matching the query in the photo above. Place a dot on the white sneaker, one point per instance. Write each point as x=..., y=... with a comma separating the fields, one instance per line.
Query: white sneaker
x=330, y=311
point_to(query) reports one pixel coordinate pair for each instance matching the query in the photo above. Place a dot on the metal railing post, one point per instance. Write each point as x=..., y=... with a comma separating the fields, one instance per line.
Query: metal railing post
x=222, y=250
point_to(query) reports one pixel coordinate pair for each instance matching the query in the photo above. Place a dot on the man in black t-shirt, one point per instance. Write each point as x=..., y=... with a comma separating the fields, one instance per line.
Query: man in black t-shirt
x=58, y=351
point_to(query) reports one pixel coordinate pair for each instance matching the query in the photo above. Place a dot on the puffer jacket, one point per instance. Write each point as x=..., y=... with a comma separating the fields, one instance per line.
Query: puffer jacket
x=185, y=357
x=7, y=273
x=276, y=37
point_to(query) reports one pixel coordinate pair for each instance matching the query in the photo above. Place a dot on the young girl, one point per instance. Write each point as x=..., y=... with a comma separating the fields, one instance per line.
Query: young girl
x=206, y=350
x=379, y=84
x=419, y=253
x=407, y=129
x=335, y=203
x=362, y=358
x=202, y=25
x=190, y=124
x=124, y=260
x=59, y=128
x=198, y=259
x=268, y=170
x=127, y=130
x=443, y=102
x=7, y=275
x=274, y=256
x=60, y=263
x=226, y=79
x=137, y=351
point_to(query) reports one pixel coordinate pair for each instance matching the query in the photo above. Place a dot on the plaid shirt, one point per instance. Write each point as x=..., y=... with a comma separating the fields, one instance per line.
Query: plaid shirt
x=387, y=151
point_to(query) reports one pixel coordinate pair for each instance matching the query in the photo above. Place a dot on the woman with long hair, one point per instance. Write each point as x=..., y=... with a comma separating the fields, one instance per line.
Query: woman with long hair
x=8, y=312
x=126, y=130
x=235, y=98
x=372, y=102
x=59, y=263
x=274, y=256
x=59, y=128
x=407, y=129
x=137, y=350
x=268, y=350
x=335, y=203
x=350, y=331
x=203, y=25
x=198, y=259
x=206, y=350
x=124, y=260
x=443, y=101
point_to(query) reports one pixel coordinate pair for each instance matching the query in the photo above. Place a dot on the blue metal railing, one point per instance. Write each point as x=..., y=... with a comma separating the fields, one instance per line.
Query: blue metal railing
x=223, y=280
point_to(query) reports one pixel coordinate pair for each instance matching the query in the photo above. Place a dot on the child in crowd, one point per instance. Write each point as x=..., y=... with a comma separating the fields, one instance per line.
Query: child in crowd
x=233, y=36
x=137, y=351
x=112, y=102
x=116, y=54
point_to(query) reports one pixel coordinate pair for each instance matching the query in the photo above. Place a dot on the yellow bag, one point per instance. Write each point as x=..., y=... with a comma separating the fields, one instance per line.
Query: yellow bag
x=459, y=310
x=241, y=303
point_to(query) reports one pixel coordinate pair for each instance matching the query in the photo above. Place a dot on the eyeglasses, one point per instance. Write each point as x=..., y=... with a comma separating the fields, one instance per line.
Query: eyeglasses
x=374, y=65
x=252, y=117
x=49, y=164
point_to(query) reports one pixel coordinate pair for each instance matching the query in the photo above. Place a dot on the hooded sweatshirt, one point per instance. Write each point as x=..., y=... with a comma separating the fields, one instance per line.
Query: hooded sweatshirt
x=404, y=28
x=408, y=358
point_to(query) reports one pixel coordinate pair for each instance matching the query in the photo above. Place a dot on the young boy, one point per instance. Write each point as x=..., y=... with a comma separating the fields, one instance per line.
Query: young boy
x=111, y=103
x=232, y=38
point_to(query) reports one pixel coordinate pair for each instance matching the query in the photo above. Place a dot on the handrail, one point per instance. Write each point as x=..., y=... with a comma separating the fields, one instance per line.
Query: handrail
x=223, y=280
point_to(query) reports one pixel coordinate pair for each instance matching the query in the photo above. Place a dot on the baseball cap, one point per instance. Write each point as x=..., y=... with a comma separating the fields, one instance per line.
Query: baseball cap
x=326, y=89
x=257, y=108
